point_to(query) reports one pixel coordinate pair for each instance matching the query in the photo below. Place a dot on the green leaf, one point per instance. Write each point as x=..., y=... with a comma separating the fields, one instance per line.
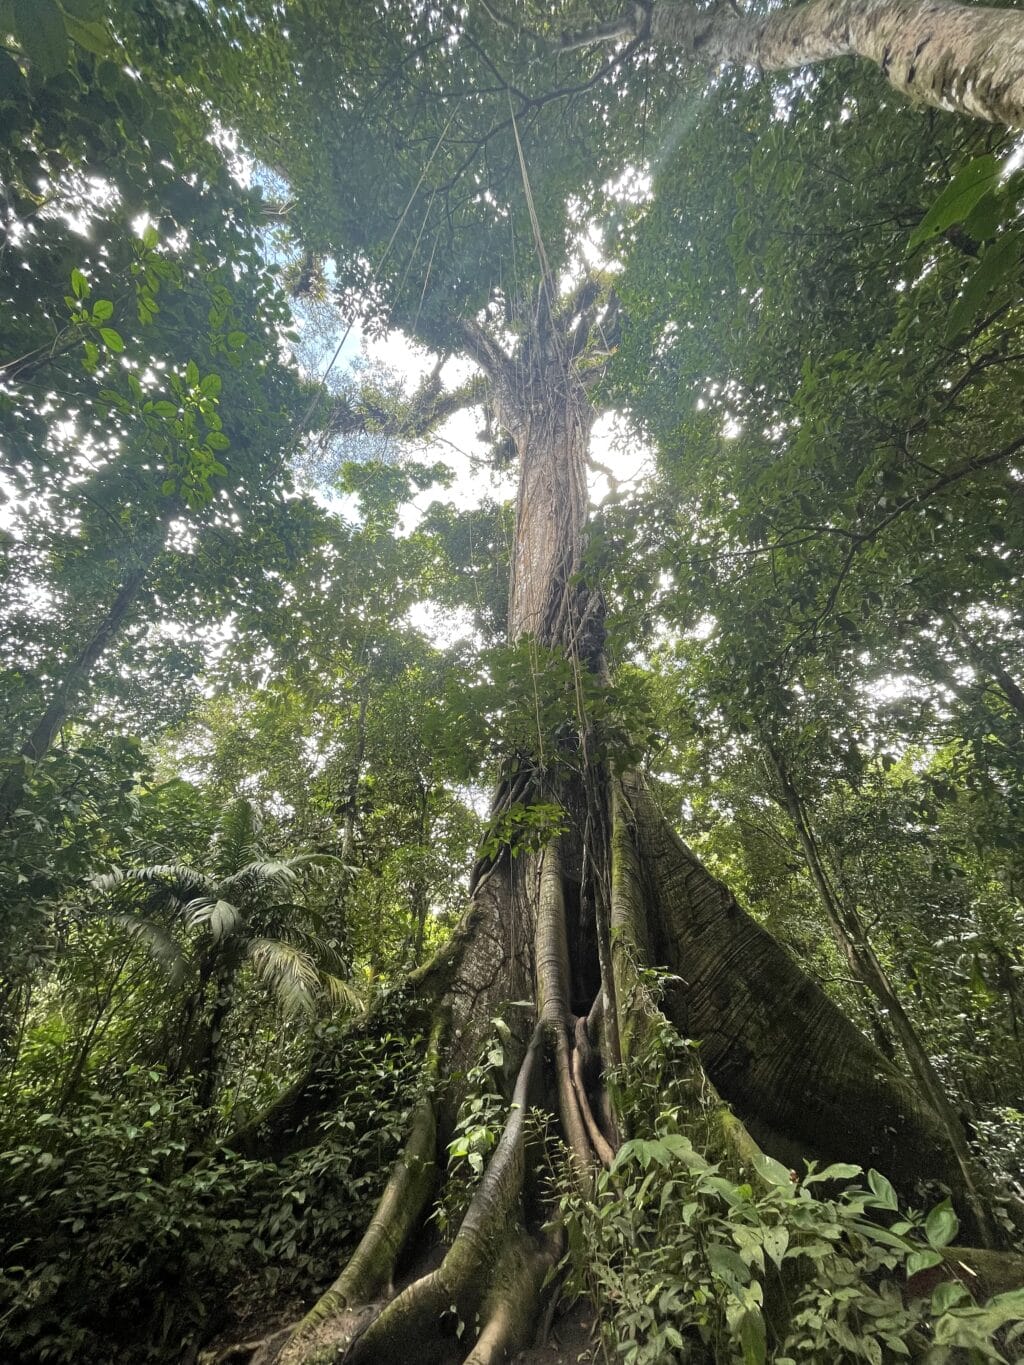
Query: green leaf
x=771, y=1170
x=236, y=339
x=941, y=1225
x=1001, y=259
x=957, y=200
x=776, y=1240
x=79, y=284
x=727, y=1265
x=882, y=1190
x=984, y=219
x=101, y=310
x=922, y=1260
x=753, y=1337
x=223, y=919
x=217, y=441
x=93, y=35
x=112, y=339
x=12, y=81
x=85, y=9
x=948, y=1294
x=210, y=385
x=839, y=1170
x=39, y=28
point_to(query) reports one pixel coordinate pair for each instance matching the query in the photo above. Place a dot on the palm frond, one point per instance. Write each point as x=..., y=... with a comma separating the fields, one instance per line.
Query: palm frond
x=282, y=872
x=263, y=873
x=163, y=947
x=323, y=951
x=289, y=972
x=221, y=917
x=238, y=836
x=176, y=878
x=342, y=995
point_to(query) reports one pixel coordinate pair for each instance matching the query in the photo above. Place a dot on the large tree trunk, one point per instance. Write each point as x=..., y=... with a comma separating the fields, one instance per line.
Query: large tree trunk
x=956, y=57
x=962, y=58
x=571, y=929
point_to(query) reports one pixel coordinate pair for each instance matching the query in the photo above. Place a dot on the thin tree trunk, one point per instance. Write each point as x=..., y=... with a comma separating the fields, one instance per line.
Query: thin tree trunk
x=209, y=1062
x=853, y=941
x=967, y=59
x=356, y=776
x=76, y=679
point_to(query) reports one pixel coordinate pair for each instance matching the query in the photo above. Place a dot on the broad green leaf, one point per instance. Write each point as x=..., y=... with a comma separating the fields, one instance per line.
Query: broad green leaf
x=753, y=1337
x=93, y=35
x=984, y=219
x=85, y=9
x=771, y=1170
x=101, y=310
x=12, y=82
x=728, y=1266
x=112, y=339
x=922, y=1260
x=223, y=919
x=839, y=1170
x=776, y=1240
x=957, y=200
x=884, y=1193
x=79, y=284
x=941, y=1225
x=1000, y=260
x=948, y=1294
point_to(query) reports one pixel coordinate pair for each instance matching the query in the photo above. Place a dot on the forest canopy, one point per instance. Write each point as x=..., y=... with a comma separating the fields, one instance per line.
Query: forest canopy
x=512, y=675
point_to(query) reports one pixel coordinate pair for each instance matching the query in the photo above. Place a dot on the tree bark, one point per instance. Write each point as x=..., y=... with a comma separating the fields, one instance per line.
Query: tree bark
x=966, y=59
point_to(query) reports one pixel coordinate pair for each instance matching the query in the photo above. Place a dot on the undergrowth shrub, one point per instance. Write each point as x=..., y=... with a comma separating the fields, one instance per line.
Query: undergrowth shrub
x=121, y=1240
x=686, y=1259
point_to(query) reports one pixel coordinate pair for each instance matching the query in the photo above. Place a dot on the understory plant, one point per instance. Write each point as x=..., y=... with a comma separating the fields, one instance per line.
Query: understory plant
x=748, y=1261
x=126, y=1237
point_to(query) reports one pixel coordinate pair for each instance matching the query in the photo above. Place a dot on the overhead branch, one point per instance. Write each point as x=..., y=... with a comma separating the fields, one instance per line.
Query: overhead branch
x=413, y=420
x=487, y=353
x=633, y=23
x=967, y=59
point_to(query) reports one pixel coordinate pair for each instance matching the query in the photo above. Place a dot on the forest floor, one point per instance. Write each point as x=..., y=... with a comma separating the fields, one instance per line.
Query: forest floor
x=570, y=1341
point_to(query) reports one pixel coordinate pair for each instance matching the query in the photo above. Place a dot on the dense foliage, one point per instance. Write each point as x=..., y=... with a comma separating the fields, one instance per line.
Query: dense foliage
x=244, y=774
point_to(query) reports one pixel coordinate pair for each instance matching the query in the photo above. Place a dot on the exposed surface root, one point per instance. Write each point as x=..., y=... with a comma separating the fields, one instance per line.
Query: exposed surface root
x=407, y=1328
x=509, y=1312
